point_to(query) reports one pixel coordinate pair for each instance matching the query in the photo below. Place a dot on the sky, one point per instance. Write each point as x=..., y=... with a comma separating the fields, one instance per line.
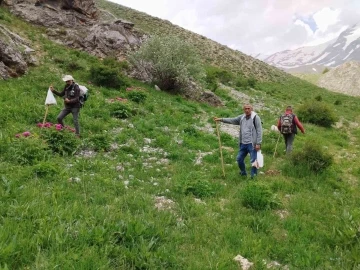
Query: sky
x=257, y=26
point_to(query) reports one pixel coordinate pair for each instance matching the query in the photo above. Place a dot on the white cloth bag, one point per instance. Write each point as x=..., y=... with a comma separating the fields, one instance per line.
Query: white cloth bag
x=50, y=99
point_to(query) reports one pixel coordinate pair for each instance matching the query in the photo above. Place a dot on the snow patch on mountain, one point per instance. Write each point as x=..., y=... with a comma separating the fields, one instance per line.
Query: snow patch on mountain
x=346, y=47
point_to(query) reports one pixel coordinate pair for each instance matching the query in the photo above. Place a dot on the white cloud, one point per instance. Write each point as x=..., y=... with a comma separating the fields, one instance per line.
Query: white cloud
x=256, y=26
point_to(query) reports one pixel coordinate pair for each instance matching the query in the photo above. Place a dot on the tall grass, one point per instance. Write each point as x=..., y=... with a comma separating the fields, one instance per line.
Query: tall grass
x=131, y=196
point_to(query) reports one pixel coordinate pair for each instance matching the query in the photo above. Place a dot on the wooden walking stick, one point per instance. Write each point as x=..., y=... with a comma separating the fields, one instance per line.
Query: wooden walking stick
x=46, y=112
x=221, y=155
x=276, y=144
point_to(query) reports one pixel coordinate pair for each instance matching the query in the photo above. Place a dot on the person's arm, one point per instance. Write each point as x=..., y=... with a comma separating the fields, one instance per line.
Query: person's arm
x=279, y=124
x=299, y=125
x=60, y=94
x=233, y=121
x=258, y=128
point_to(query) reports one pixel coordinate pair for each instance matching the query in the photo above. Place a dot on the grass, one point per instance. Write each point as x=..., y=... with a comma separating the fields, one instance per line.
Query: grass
x=100, y=211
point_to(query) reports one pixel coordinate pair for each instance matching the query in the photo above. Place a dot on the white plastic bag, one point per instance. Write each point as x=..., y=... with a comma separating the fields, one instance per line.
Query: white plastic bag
x=50, y=99
x=260, y=159
x=274, y=128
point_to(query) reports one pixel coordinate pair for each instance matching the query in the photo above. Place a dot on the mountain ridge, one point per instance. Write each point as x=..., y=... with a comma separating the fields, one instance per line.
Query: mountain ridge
x=314, y=59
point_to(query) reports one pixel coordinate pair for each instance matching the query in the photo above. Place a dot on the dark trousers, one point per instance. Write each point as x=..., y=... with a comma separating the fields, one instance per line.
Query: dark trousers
x=75, y=112
x=243, y=151
x=289, y=139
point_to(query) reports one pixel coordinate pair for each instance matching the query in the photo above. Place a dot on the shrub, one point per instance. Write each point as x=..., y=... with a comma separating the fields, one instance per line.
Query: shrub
x=242, y=82
x=251, y=82
x=168, y=61
x=100, y=142
x=200, y=188
x=317, y=113
x=107, y=76
x=318, y=98
x=27, y=151
x=325, y=70
x=337, y=102
x=137, y=96
x=258, y=197
x=44, y=169
x=312, y=157
x=121, y=111
x=61, y=142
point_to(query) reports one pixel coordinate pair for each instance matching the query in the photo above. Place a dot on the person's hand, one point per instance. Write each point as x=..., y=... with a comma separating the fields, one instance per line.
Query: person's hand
x=257, y=147
x=51, y=88
x=67, y=100
x=216, y=119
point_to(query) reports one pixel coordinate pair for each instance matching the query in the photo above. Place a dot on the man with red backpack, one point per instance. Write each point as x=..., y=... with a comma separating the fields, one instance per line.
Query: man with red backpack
x=287, y=125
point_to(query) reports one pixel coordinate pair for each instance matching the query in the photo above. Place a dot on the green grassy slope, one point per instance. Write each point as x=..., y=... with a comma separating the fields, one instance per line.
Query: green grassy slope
x=106, y=204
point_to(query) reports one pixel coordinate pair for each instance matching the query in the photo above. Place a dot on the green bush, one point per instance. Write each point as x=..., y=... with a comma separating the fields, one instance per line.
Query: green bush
x=216, y=74
x=62, y=142
x=100, y=142
x=258, y=197
x=107, y=76
x=168, y=61
x=121, y=111
x=337, y=102
x=312, y=157
x=200, y=189
x=44, y=169
x=251, y=82
x=325, y=70
x=27, y=151
x=137, y=96
x=317, y=113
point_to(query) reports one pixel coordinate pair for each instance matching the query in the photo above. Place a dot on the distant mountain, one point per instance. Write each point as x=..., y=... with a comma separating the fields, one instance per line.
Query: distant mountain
x=296, y=58
x=346, y=47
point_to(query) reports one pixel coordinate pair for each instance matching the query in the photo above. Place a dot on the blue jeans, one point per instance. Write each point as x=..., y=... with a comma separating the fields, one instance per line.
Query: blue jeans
x=244, y=150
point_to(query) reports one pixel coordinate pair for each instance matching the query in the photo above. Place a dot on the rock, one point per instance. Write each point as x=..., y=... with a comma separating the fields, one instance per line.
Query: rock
x=13, y=62
x=210, y=98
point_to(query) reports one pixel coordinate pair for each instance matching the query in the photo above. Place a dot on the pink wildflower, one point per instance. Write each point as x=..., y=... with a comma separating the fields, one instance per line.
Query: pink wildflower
x=40, y=125
x=58, y=127
x=48, y=124
x=26, y=134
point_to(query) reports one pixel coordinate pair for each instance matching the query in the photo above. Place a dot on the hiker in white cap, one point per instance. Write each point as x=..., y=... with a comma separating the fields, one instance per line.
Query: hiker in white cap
x=71, y=94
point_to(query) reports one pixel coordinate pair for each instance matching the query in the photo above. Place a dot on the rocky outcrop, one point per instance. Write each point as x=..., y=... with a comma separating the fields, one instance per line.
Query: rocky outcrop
x=15, y=54
x=343, y=79
x=76, y=24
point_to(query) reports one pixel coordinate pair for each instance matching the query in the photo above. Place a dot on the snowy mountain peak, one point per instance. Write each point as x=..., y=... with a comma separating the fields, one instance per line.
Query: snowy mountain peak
x=345, y=47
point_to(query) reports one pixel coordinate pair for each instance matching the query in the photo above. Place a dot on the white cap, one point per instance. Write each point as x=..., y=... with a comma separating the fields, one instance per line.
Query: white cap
x=67, y=78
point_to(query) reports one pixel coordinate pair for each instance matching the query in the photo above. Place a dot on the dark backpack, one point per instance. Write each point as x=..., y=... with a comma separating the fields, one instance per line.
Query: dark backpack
x=286, y=121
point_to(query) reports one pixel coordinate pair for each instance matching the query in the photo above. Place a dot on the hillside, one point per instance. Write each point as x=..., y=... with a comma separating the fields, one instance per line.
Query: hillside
x=212, y=52
x=143, y=187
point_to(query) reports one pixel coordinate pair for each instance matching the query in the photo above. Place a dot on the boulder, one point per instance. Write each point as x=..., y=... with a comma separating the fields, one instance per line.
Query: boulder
x=15, y=54
x=76, y=24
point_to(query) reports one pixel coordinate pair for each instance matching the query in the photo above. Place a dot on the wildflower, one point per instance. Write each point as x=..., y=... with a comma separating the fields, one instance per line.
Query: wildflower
x=17, y=135
x=58, y=127
x=26, y=134
x=40, y=125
